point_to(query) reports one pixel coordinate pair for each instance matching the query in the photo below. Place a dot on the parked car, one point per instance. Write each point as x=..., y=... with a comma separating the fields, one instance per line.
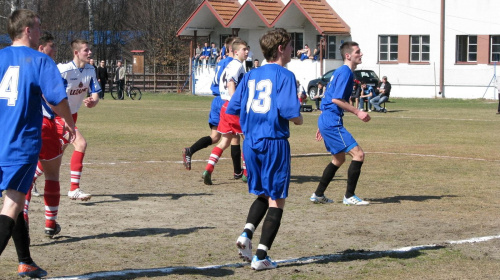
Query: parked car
x=368, y=76
x=312, y=86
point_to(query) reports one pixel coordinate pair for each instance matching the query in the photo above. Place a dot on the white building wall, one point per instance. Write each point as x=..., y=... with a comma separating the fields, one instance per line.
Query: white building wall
x=408, y=17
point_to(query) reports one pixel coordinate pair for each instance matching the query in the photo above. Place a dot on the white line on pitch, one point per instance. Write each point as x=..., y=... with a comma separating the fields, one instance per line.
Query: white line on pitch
x=332, y=257
x=296, y=155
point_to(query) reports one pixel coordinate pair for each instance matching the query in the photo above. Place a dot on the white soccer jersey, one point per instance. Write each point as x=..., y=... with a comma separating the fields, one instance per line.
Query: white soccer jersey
x=234, y=71
x=78, y=83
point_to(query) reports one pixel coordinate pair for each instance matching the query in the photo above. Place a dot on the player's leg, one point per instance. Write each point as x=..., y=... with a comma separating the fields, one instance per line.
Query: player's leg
x=52, y=195
x=16, y=181
x=353, y=174
x=204, y=142
x=76, y=167
x=214, y=157
x=275, y=162
x=270, y=229
x=319, y=195
x=236, y=157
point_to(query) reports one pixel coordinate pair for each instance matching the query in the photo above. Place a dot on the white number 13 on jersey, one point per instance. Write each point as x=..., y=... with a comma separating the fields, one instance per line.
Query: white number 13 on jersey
x=262, y=104
x=8, y=86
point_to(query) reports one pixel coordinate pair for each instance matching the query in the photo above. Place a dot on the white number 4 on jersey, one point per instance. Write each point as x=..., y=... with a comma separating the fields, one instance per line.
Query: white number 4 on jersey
x=8, y=86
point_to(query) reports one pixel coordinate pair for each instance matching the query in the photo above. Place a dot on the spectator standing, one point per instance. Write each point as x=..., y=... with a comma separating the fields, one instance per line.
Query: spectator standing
x=384, y=91
x=367, y=93
x=265, y=122
x=30, y=75
x=197, y=55
x=249, y=60
x=120, y=79
x=102, y=77
x=338, y=141
x=356, y=92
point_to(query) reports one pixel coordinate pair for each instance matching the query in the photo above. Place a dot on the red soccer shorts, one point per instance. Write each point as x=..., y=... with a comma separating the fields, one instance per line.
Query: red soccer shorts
x=60, y=128
x=228, y=124
x=51, y=145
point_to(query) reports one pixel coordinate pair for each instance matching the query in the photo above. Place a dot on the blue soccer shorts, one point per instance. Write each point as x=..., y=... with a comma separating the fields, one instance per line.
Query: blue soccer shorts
x=214, y=115
x=17, y=177
x=268, y=166
x=336, y=138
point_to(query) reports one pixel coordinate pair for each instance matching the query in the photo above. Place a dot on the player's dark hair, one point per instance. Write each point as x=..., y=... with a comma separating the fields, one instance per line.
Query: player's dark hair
x=238, y=43
x=46, y=38
x=75, y=44
x=346, y=48
x=271, y=40
x=18, y=20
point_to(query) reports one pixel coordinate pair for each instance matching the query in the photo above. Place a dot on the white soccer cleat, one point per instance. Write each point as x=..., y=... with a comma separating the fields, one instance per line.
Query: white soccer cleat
x=320, y=199
x=244, y=245
x=354, y=200
x=78, y=194
x=266, y=263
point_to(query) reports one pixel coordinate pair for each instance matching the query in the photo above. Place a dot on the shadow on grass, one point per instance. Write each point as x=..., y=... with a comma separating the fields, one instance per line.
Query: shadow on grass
x=354, y=255
x=156, y=272
x=400, y=198
x=297, y=179
x=225, y=270
x=136, y=196
x=166, y=232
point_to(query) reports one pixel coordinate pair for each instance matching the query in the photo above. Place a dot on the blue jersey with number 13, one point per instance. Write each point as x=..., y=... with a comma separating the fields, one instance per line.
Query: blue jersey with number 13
x=266, y=99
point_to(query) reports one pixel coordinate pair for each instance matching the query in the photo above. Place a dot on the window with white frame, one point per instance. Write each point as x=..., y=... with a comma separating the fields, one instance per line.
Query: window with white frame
x=466, y=48
x=388, y=47
x=495, y=48
x=419, y=48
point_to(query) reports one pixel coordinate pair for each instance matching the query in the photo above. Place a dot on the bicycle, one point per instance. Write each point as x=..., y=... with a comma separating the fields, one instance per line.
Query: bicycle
x=130, y=90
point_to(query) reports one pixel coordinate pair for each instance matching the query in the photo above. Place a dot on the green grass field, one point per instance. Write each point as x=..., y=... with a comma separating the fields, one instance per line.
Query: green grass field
x=431, y=173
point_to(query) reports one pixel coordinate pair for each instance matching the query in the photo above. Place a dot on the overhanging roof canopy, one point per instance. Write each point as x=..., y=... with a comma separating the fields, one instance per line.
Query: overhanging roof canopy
x=255, y=14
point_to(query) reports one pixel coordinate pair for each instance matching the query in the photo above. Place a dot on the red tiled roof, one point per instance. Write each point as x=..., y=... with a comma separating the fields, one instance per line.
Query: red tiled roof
x=226, y=9
x=324, y=16
x=270, y=9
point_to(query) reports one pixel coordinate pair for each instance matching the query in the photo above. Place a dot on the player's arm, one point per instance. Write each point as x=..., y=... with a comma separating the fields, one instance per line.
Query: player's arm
x=297, y=120
x=231, y=87
x=62, y=110
x=348, y=107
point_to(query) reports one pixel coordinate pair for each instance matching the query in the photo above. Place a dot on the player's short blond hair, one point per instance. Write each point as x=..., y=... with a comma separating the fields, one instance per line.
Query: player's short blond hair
x=20, y=19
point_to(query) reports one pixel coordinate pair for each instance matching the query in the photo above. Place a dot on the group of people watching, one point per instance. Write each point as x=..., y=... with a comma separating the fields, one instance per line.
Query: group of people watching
x=362, y=93
x=208, y=55
x=305, y=53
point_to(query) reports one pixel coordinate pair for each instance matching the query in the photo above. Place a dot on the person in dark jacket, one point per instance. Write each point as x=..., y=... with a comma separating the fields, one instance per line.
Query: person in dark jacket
x=384, y=90
x=102, y=77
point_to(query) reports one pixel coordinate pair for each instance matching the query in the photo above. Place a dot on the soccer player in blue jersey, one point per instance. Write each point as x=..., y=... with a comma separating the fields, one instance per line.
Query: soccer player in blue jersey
x=338, y=140
x=26, y=76
x=205, y=54
x=266, y=101
x=214, y=118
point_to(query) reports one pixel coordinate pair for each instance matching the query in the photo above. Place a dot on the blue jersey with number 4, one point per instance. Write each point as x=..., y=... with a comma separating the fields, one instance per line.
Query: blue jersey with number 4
x=266, y=99
x=24, y=75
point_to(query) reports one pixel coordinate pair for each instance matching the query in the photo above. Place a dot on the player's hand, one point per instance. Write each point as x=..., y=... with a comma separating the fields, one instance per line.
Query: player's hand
x=89, y=102
x=363, y=116
x=69, y=133
x=318, y=136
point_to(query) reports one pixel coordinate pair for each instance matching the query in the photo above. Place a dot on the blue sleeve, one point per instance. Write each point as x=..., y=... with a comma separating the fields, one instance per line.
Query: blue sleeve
x=288, y=102
x=51, y=83
x=341, y=83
